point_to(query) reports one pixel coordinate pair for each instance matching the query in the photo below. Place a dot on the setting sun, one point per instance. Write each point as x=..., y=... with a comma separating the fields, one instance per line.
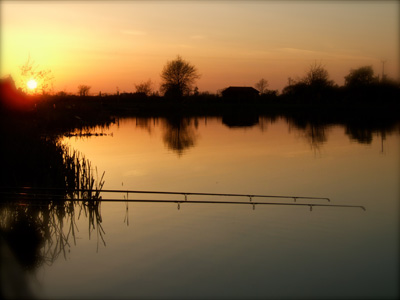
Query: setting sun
x=32, y=84
x=106, y=44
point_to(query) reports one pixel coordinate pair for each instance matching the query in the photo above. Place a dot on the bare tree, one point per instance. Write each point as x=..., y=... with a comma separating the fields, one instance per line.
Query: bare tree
x=178, y=77
x=317, y=75
x=262, y=86
x=83, y=90
x=43, y=78
x=144, y=87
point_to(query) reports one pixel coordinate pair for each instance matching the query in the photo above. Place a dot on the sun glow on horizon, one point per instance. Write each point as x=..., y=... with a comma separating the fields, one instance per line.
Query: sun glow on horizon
x=32, y=84
x=119, y=44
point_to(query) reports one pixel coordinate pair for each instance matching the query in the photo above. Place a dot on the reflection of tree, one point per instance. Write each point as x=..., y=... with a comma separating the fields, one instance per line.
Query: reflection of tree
x=313, y=132
x=363, y=129
x=180, y=133
x=315, y=135
x=145, y=123
x=362, y=135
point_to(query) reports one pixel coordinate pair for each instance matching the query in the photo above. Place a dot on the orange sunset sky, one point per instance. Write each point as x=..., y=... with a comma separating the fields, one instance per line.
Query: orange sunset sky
x=110, y=44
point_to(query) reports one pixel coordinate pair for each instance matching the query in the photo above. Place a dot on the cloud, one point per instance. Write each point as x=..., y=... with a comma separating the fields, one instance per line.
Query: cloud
x=339, y=54
x=300, y=51
x=133, y=32
x=184, y=46
x=198, y=37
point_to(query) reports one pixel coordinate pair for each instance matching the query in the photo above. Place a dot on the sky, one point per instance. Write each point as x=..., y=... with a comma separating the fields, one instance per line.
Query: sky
x=113, y=45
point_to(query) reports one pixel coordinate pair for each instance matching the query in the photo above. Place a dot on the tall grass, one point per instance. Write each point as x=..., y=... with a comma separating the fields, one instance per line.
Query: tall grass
x=41, y=227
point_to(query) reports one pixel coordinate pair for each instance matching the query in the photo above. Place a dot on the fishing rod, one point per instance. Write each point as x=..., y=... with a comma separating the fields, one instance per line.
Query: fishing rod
x=185, y=194
x=310, y=205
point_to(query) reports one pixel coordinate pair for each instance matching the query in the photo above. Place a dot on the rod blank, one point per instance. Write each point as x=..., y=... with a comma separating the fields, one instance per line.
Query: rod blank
x=30, y=191
x=311, y=205
x=185, y=194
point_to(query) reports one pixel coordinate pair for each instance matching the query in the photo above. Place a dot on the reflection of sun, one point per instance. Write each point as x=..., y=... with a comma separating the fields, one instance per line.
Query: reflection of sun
x=32, y=84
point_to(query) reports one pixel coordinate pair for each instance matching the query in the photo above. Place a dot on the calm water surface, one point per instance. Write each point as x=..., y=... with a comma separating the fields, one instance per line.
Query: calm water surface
x=155, y=250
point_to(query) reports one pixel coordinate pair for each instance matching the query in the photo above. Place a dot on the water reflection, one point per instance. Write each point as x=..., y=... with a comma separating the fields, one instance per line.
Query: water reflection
x=41, y=231
x=315, y=129
x=38, y=232
x=38, y=222
x=314, y=134
x=361, y=135
x=35, y=233
x=39, y=227
x=233, y=120
x=180, y=133
x=146, y=123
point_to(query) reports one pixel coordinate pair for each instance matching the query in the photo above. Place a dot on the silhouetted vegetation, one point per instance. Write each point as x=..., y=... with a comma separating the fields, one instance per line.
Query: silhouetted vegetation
x=83, y=90
x=315, y=87
x=362, y=92
x=38, y=222
x=31, y=126
x=44, y=78
x=361, y=77
x=38, y=120
x=262, y=86
x=41, y=229
x=178, y=77
x=144, y=88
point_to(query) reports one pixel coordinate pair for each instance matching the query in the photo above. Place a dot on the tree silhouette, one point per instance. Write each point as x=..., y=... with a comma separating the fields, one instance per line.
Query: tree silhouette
x=178, y=77
x=262, y=86
x=144, y=87
x=314, y=86
x=360, y=77
x=44, y=78
x=83, y=90
x=317, y=76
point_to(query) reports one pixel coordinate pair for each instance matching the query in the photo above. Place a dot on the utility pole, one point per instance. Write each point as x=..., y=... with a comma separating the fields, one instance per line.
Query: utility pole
x=383, y=69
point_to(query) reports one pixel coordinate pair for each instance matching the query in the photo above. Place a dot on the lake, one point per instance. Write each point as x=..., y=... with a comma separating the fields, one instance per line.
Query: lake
x=211, y=250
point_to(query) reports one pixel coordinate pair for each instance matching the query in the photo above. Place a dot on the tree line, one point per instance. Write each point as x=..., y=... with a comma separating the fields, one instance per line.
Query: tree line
x=179, y=76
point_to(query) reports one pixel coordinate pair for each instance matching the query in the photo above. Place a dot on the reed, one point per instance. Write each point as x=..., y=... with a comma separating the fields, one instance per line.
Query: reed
x=41, y=225
x=79, y=178
x=81, y=184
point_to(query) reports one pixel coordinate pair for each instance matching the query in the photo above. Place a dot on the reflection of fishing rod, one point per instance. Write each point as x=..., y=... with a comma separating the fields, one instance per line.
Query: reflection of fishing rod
x=185, y=194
